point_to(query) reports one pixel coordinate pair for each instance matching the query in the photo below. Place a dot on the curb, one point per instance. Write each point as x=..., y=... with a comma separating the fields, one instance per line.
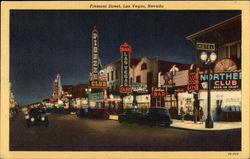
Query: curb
x=208, y=130
x=115, y=118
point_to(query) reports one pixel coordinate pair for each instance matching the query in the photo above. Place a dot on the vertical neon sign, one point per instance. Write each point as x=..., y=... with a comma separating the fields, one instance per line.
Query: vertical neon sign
x=125, y=50
x=95, y=49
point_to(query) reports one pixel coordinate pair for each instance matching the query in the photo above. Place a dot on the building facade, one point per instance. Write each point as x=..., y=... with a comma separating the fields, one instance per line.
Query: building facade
x=226, y=70
x=144, y=75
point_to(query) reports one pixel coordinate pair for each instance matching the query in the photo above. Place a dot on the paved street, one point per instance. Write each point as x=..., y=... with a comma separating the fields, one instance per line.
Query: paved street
x=69, y=133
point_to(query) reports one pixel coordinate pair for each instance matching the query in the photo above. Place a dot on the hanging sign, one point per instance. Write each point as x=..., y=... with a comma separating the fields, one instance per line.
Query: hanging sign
x=96, y=96
x=193, y=81
x=158, y=92
x=125, y=50
x=140, y=88
x=221, y=81
x=98, y=84
x=205, y=46
x=95, y=59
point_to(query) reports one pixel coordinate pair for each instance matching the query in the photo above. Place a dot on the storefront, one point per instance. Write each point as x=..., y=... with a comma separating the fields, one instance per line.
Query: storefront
x=128, y=101
x=143, y=102
x=225, y=105
x=225, y=94
x=186, y=101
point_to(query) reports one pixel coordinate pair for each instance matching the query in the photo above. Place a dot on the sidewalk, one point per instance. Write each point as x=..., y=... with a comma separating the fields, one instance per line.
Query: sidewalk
x=201, y=127
x=190, y=125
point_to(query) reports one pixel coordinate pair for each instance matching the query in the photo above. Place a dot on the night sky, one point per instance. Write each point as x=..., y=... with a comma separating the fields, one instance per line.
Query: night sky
x=44, y=43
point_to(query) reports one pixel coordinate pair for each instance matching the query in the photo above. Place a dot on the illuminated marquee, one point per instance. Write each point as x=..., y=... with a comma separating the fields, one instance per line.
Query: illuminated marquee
x=158, y=92
x=221, y=81
x=95, y=61
x=98, y=84
x=193, y=81
x=125, y=50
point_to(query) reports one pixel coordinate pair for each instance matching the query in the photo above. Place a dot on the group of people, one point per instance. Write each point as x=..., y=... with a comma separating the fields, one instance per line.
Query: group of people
x=200, y=115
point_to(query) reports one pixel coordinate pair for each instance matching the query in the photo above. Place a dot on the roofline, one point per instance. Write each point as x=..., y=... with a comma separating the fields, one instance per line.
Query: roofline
x=175, y=62
x=117, y=60
x=213, y=27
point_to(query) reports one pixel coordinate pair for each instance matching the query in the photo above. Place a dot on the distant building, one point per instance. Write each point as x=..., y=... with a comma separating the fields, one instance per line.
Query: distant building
x=57, y=88
x=76, y=94
x=13, y=102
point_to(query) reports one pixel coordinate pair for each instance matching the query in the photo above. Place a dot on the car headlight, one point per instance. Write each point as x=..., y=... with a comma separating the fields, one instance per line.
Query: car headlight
x=32, y=119
x=27, y=117
x=43, y=118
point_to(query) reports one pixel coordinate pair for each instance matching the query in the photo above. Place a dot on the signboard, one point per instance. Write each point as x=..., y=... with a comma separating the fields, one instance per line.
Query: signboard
x=125, y=50
x=95, y=58
x=96, y=96
x=124, y=89
x=98, y=84
x=205, y=46
x=139, y=87
x=180, y=78
x=221, y=81
x=158, y=92
x=193, y=81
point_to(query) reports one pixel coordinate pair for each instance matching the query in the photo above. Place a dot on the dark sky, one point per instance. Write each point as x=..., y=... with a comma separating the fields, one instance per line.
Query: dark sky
x=44, y=43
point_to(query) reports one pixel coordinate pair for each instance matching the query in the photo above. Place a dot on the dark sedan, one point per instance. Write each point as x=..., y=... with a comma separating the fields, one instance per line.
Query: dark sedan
x=37, y=116
x=157, y=116
x=130, y=115
x=99, y=113
x=84, y=112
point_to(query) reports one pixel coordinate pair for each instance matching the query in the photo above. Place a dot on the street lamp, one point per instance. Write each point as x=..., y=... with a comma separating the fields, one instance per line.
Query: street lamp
x=88, y=91
x=207, y=62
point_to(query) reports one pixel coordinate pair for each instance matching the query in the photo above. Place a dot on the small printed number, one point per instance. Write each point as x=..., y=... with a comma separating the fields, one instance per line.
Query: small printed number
x=233, y=153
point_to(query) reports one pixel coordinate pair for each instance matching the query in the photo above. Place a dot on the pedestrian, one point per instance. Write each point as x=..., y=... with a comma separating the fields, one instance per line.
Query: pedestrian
x=201, y=113
x=182, y=114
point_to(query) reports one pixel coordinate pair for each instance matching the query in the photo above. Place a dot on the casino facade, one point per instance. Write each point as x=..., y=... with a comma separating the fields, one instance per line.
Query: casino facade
x=224, y=39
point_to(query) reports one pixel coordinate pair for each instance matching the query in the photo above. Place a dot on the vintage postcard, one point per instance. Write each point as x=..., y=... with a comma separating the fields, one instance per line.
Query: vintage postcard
x=132, y=79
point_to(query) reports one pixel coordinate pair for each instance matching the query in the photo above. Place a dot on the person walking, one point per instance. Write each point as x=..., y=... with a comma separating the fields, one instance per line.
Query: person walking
x=182, y=114
x=201, y=114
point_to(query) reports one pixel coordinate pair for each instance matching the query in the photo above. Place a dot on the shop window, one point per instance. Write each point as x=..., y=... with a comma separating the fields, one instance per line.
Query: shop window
x=144, y=66
x=112, y=75
x=138, y=79
x=233, y=52
x=116, y=74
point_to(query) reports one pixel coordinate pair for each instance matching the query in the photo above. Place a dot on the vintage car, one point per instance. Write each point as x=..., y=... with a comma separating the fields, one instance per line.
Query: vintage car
x=156, y=116
x=130, y=115
x=99, y=113
x=36, y=116
x=84, y=112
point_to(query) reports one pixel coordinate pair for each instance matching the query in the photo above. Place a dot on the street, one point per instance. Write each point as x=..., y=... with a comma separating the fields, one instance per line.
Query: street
x=70, y=133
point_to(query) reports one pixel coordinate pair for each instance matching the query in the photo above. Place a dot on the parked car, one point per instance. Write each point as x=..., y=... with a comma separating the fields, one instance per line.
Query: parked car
x=156, y=116
x=83, y=112
x=99, y=113
x=130, y=115
x=36, y=116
